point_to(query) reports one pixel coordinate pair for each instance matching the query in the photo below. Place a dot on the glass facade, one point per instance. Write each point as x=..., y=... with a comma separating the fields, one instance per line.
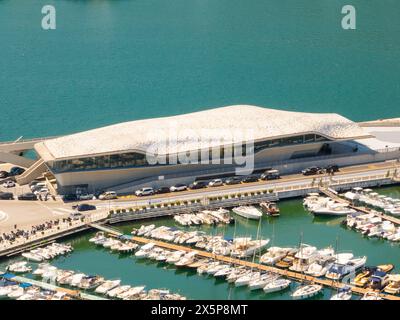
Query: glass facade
x=134, y=159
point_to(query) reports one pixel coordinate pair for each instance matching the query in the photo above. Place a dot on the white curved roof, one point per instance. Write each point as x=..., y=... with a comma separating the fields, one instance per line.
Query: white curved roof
x=250, y=121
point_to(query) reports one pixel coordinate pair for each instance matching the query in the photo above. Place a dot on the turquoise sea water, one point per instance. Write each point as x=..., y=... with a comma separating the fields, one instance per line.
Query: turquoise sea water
x=115, y=60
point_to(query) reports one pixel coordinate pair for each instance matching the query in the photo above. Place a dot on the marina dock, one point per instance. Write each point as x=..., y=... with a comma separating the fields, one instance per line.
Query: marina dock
x=285, y=273
x=366, y=210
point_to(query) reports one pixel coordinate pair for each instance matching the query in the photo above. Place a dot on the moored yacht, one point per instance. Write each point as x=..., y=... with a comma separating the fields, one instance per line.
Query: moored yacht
x=248, y=212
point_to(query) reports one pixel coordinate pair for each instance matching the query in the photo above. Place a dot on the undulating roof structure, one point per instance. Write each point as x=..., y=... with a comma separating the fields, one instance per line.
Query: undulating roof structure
x=250, y=121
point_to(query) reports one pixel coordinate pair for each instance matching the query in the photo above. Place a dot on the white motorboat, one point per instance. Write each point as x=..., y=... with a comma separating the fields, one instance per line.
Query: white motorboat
x=332, y=208
x=277, y=285
x=145, y=250
x=371, y=295
x=273, y=255
x=214, y=270
x=338, y=270
x=134, y=291
x=224, y=272
x=4, y=291
x=19, y=267
x=98, y=236
x=204, y=268
x=107, y=285
x=90, y=282
x=117, y=291
x=307, y=291
x=186, y=259
x=16, y=293
x=32, y=257
x=248, y=212
x=175, y=256
x=245, y=247
x=343, y=294
x=145, y=229
x=76, y=279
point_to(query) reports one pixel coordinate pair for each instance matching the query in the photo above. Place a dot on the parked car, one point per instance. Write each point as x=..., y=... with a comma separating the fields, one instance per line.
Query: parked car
x=312, y=170
x=86, y=196
x=9, y=184
x=233, y=180
x=76, y=215
x=178, y=187
x=248, y=179
x=3, y=174
x=270, y=175
x=146, y=191
x=70, y=197
x=33, y=183
x=162, y=190
x=84, y=207
x=38, y=186
x=216, y=183
x=6, y=196
x=41, y=191
x=16, y=171
x=108, y=195
x=332, y=168
x=27, y=196
x=198, y=185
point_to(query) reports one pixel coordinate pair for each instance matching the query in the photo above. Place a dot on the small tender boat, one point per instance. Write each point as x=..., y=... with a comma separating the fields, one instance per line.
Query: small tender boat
x=248, y=212
x=343, y=294
x=307, y=291
x=277, y=285
x=270, y=209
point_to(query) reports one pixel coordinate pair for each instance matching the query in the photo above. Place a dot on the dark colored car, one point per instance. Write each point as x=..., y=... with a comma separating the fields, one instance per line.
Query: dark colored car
x=162, y=190
x=3, y=174
x=70, y=197
x=84, y=207
x=27, y=196
x=332, y=168
x=6, y=196
x=270, y=175
x=312, y=170
x=233, y=180
x=16, y=171
x=250, y=179
x=198, y=185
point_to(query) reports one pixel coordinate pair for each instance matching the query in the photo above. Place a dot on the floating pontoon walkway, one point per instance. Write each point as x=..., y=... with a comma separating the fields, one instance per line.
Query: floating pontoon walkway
x=286, y=273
